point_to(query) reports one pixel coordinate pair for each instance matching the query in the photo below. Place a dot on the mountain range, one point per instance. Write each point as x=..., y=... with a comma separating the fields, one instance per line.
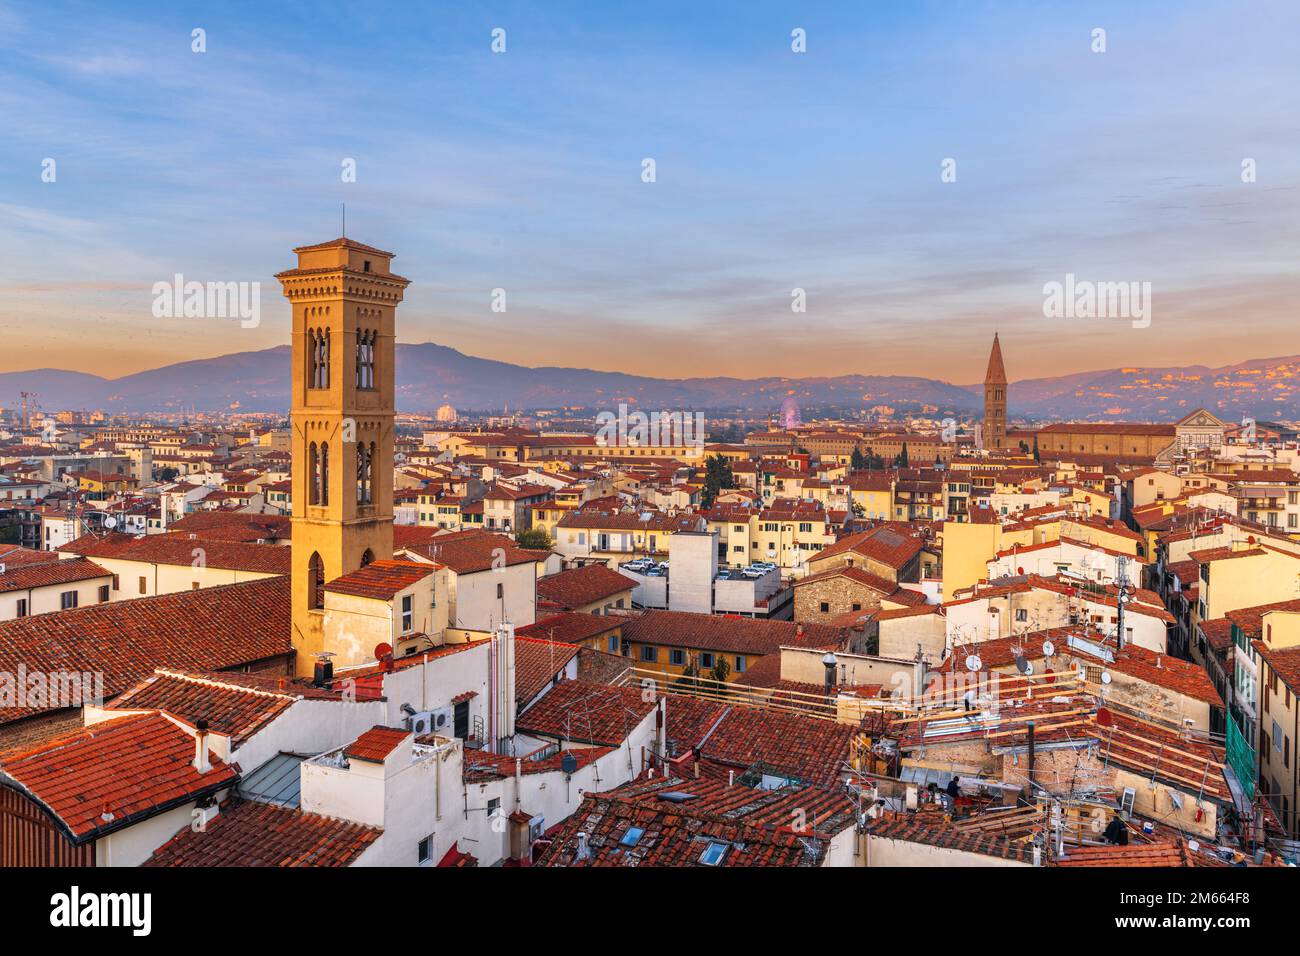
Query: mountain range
x=429, y=375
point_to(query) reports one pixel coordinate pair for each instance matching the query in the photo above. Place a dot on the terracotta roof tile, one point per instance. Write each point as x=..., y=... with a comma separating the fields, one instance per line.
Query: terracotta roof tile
x=581, y=586
x=212, y=629
x=712, y=632
x=381, y=580
x=586, y=712
x=376, y=744
x=258, y=834
x=111, y=774
x=673, y=821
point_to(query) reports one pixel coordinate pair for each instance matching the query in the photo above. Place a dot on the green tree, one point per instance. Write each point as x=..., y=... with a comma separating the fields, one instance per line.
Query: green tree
x=167, y=474
x=901, y=460
x=534, y=539
x=717, y=477
x=857, y=461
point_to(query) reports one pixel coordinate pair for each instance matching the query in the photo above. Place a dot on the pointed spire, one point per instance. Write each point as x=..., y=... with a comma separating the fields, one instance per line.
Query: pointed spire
x=997, y=374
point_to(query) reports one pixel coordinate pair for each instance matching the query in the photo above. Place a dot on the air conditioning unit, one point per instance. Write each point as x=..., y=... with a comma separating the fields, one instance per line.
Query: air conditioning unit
x=431, y=721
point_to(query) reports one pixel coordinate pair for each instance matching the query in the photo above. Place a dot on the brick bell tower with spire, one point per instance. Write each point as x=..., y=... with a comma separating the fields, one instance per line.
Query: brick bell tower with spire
x=995, y=400
x=344, y=298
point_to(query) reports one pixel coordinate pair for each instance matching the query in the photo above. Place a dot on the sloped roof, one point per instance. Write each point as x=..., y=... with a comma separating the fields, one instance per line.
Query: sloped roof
x=584, y=585
x=259, y=834
x=111, y=774
x=206, y=630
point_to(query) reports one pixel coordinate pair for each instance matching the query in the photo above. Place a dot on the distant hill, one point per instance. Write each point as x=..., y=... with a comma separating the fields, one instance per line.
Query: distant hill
x=429, y=375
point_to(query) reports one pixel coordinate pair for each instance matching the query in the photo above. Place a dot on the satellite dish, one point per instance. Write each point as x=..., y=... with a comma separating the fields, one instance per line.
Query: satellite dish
x=1048, y=648
x=1104, y=718
x=973, y=663
x=569, y=763
x=382, y=650
x=1023, y=665
x=110, y=522
x=1105, y=677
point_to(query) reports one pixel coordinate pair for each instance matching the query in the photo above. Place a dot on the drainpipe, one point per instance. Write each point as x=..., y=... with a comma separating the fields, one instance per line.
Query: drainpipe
x=1029, y=787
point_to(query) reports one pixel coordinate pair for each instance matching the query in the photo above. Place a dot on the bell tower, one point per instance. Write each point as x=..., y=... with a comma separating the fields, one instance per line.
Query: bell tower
x=995, y=400
x=341, y=412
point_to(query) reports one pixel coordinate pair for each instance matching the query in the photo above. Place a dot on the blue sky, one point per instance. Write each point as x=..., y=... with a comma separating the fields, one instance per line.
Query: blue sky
x=775, y=171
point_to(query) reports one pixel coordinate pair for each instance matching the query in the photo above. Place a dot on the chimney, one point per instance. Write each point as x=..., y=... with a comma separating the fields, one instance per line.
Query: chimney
x=201, y=763
x=583, y=851
x=324, y=672
x=829, y=663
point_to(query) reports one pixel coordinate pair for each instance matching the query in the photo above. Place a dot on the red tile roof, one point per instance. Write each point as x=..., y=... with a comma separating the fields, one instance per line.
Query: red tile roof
x=112, y=774
x=931, y=833
x=808, y=748
x=680, y=818
x=582, y=586
x=237, y=708
x=1150, y=854
x=226, y=526
x=572, y=627
x=52, y=573
x=887, y=544
x=381, y=580
x=376, y=744
x=181, y=549
x=537, y=663
x=586, y=712
x=258, y=834
x=467, y=552
x=481, y=766
x=731, y=635
x=212, y=629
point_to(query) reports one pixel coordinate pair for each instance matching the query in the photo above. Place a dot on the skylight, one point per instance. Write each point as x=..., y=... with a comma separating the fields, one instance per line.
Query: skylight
x=713, y=854
x=632, y=836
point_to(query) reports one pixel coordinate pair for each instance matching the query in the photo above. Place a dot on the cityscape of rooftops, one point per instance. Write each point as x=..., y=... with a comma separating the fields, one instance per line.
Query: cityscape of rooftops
x=695, y=436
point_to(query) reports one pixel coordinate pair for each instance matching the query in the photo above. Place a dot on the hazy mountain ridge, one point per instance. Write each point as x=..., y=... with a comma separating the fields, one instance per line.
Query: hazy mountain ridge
x=429, y=375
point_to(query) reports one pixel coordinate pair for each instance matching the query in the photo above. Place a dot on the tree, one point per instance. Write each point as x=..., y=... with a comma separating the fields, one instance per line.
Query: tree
x=167, y=474
x=534, y=539
x=901, y=460
x=717, y=477
x=858, y=461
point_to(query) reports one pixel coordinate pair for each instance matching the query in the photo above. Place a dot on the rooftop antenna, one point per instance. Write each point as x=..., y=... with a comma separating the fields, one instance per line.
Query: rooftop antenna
x=345, y=220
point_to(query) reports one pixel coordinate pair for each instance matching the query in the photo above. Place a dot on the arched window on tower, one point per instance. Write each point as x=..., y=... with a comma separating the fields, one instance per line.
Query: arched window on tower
x=324, y=360
x=313, y=472
x=313, y=357
x=324, y=479
x=315, y=582
x=364, y=455
x=365, y=358
x=367, y=557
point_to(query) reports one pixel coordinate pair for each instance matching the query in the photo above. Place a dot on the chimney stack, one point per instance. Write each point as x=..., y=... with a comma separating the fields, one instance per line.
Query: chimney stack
x=201, y=762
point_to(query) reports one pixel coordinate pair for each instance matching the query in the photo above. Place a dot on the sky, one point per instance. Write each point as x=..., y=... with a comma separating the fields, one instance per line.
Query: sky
x=774, y=171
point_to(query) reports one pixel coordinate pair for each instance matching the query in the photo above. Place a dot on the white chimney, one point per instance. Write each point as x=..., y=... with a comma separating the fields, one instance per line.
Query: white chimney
x=583, y=851
x=201, y=762
x=503, y=702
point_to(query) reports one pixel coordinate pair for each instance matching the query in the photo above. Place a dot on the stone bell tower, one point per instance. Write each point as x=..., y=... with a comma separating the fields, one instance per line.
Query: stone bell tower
x=344, y=298
x=995, y=400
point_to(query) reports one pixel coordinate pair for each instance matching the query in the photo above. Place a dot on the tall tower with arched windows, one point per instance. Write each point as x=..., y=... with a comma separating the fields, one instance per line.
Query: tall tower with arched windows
x=344, y=297
x=995, y=399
